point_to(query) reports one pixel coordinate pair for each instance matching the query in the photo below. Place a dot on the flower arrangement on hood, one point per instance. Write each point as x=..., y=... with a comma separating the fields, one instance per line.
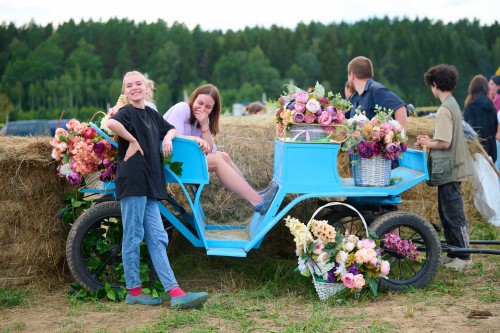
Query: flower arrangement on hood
x=315, y=107
x=335, y=258
x=380, y=136
x=82, y=151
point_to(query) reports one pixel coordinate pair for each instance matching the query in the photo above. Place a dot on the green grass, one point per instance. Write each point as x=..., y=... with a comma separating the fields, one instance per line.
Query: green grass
x=11, y=297
x=264, y=293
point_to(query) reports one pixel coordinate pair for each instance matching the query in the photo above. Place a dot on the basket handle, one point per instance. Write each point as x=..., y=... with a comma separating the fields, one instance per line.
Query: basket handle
x=314, y=215
x=335, y=204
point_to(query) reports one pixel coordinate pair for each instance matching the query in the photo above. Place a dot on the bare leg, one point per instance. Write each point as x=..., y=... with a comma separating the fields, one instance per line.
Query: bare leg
x=231, y=177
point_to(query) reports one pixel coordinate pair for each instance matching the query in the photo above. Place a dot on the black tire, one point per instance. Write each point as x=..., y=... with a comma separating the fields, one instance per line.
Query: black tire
x=93, y=247
x=406, y=272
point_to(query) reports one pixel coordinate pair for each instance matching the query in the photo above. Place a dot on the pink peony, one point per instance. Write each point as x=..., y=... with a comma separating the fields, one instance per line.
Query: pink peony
x=300, y=107
x=348, y=280
x=366, y=244
x=385, y=267
x=365, y=255
x=325, y=118
x=301, y=97
x=359, y=281
x=310, y=118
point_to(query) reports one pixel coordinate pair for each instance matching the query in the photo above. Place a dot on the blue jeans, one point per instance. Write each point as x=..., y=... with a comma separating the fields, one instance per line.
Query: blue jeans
x=141, y=219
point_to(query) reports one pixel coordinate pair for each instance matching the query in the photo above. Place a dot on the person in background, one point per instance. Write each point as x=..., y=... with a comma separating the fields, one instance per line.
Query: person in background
x=255, y=108
x=494, y=91
x=480, y=113
x=150, y=95
x=198, y=119
x=449, y=162
x=369, y=93
x=140, y=183
x=348, y=90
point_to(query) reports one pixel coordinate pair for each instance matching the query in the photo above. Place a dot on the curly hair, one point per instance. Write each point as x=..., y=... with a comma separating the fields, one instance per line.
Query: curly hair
x=445, y=77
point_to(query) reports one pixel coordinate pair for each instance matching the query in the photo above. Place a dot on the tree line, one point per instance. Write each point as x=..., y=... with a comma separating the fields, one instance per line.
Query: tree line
x=78, y=67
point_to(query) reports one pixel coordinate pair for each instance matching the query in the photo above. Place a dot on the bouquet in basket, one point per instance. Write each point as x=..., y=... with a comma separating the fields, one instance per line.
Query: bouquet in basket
x=331, y=257
x=83, y=152
x=379, y=136
x=314, y=107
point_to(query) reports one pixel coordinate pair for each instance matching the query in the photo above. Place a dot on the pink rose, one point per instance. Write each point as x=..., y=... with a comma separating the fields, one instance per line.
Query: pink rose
x=385, y=267
x=356, y=134
x=72, y=123
x=300, y=107
x=359, y=281
x=366, y=244
x=365, y=255
x=325, y=118
x=348, y=280
x=301, y=97
x=319, y=248
x=80, y=128
x=310, y=118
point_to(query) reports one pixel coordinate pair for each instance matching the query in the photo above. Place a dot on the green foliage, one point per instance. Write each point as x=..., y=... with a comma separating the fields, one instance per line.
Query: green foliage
x=176, y=167
x=81, y=64
x=74, y=205
x=11, y=297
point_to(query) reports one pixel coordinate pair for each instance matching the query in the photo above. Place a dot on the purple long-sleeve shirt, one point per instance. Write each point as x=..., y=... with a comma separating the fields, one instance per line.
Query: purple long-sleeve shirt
x=178, y=115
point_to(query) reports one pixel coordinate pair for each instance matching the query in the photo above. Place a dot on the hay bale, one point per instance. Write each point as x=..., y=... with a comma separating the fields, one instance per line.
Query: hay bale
x=32, y=240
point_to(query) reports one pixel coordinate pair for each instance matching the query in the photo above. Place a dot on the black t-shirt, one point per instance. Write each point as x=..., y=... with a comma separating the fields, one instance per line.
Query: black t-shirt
x=141, y=175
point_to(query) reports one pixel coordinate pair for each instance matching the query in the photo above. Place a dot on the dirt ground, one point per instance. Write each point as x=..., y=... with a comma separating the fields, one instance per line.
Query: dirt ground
x=51, y=312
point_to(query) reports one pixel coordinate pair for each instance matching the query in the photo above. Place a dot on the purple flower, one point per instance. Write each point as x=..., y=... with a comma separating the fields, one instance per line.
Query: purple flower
x=353, y=269
x=298, y=117
x=99, y=147
x=365, y=149
x=74, y=178
x=105, y=176
x=376, y=147
x=403, y=147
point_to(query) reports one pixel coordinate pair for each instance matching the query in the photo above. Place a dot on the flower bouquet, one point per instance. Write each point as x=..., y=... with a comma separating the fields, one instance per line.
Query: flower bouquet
x=309, y=116
x=336, y=261
x=83, y=152
x=373, y=144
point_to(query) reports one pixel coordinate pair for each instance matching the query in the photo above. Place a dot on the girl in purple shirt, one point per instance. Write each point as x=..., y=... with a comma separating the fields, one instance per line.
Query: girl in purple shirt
x=198, y=120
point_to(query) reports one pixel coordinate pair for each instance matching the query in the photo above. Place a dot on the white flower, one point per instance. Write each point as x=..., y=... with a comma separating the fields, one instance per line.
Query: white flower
x=65, y=169
x=349, y=246
x=104, y=127
x=303, y=267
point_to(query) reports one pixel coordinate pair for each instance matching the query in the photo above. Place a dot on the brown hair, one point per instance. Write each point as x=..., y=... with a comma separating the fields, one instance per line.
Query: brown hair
x=478, y=87
x=213, y=118
x=362, y=67
x=444, y=76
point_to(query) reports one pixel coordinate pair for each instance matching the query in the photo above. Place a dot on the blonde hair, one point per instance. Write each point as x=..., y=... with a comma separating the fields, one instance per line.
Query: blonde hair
x=130, y=74
x=149, y=94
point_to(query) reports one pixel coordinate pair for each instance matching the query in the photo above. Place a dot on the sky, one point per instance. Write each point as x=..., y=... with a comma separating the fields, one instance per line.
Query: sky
x=236, y=14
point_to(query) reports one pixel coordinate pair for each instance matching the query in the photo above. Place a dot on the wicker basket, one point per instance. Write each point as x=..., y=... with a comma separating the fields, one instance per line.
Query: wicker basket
x=326, y=289
x=308, y=132
x=375, y=171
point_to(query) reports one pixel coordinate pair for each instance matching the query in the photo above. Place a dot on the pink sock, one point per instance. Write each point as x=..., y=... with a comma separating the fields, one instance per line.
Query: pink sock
x=135, y=291
x=176, y=292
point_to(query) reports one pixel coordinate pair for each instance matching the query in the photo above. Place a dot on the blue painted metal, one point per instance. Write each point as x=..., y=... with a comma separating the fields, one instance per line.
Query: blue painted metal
x=308, y=170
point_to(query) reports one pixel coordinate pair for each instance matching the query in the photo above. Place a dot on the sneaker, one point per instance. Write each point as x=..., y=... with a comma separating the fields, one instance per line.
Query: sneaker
x=458, y=264
x=446, y=260
x=267, y=199
x=272, y=184
x=143, y=299
x=189, y=301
